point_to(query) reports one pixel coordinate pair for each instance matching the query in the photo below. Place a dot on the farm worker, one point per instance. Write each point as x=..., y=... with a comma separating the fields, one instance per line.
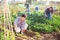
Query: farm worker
x=36, y=8
x=20, y=24
x=51, y=12
x=27, y=7
x=48, y=13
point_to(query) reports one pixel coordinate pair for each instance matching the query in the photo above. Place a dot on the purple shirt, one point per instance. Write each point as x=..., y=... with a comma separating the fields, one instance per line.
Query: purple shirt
x=18, y=22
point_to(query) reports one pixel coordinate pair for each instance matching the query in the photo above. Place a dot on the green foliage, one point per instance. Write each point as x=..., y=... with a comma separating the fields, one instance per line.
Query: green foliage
x=13, y=17
x=6, y=34
x=1, y=35
x=2, y=18
x=37, y=22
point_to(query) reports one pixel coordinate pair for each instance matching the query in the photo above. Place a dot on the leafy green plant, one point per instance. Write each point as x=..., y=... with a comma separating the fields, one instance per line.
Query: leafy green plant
x=37, y=22
x=1, y=35
x=6, y=34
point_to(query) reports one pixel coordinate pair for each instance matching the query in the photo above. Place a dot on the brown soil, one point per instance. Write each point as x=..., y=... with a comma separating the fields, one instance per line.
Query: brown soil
x=44, y=36
x=50, y=36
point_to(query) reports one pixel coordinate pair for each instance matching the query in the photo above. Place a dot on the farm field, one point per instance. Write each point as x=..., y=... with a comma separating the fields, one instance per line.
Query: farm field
x=39, y=28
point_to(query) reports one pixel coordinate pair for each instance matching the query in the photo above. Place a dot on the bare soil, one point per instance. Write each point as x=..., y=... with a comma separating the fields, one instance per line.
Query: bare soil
x=44, y=36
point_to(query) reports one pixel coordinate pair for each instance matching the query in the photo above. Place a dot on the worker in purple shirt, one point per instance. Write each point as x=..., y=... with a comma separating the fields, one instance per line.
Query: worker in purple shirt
x=20, y=24
x=49, y=12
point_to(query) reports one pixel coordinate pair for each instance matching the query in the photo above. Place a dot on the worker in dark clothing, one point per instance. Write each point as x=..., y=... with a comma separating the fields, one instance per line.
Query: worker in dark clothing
x=48, y=13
